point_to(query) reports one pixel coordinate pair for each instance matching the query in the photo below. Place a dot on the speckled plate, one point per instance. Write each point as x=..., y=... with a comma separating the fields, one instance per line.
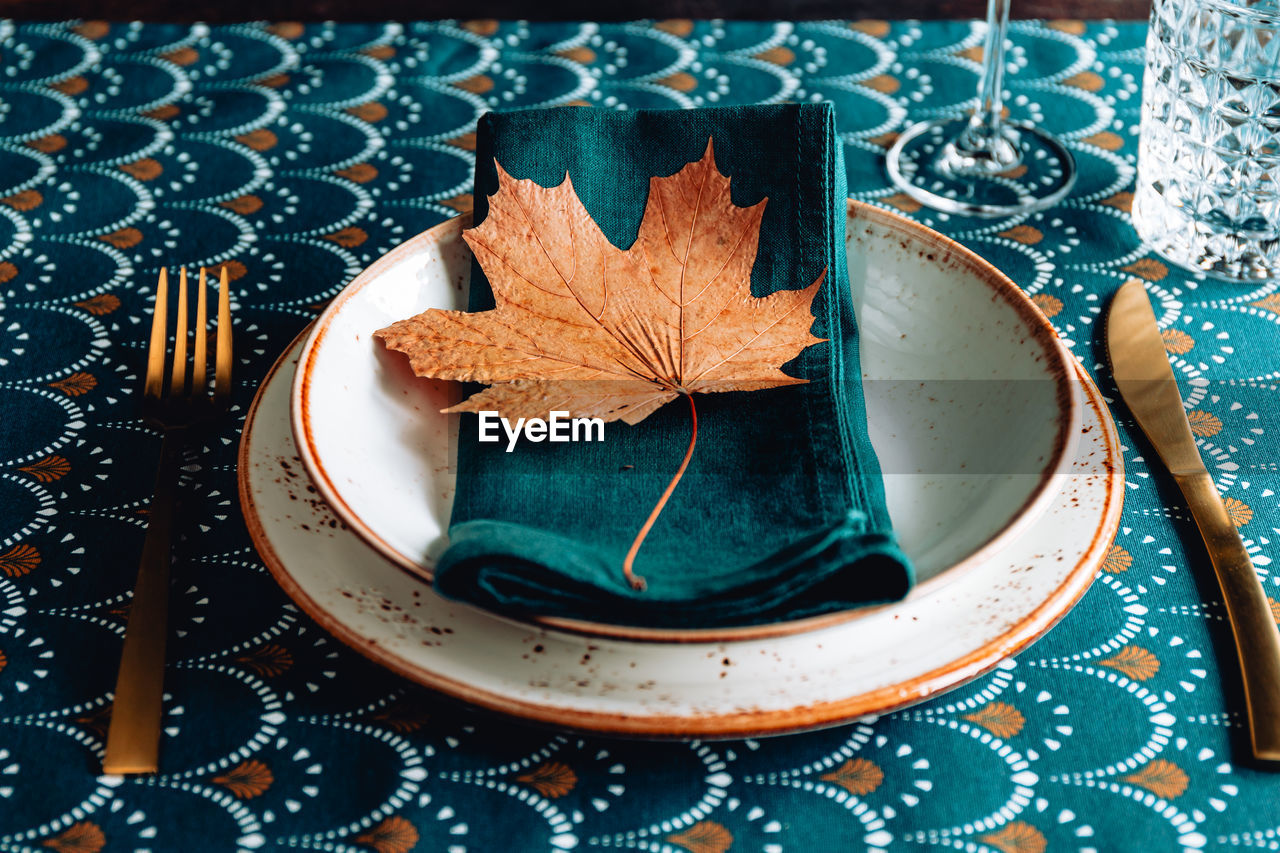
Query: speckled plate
x=970, y=405
x=894, y=656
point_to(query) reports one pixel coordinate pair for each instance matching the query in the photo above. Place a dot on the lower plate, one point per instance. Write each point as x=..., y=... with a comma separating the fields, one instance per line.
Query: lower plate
x=894, y=656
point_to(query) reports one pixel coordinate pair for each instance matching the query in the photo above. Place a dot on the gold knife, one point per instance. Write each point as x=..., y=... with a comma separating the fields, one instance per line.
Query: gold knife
x=1145, y=379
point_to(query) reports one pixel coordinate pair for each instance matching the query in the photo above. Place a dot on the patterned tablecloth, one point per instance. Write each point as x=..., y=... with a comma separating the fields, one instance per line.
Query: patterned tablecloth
x=298, y=154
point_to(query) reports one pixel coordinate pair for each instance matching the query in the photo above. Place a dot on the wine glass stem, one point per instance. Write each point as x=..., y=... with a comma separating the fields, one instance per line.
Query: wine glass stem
x=987, y=145
x=987, y=119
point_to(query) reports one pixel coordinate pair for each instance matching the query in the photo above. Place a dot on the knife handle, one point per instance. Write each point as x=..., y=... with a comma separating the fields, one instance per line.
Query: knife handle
x=1252, y=622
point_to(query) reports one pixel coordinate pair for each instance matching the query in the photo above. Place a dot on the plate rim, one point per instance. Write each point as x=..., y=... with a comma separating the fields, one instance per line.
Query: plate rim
x=1058, y=364
x=736, y=724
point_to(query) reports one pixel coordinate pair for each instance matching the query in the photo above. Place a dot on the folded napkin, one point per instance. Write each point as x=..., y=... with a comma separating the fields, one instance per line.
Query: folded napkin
x=781, y=513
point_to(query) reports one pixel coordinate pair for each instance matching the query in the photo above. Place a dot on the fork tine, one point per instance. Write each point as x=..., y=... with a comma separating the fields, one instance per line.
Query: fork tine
x=154, y=386
x=199, y=372
x=178, y=380
x=222, y=361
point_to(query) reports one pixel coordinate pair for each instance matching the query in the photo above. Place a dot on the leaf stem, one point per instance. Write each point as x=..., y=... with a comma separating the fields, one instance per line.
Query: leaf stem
x=637, y=582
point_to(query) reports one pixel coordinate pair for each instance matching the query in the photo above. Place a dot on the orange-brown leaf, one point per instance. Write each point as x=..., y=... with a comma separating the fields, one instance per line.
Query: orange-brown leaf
x=246, y=780
x=372, y=111
x=402, y=717
x=481, y=27
x=7, y=272
x=348, y=238
x=551, y=779
x=145, y=169
x=885, y=83
x=1204, y=424
x=235, y=270
x=584, y=55
x=1024, y=234
x=903, y=202
x=82, y=837
x=164, y=112
x=1000, y=718
x=1177, y=341
x=19, y=560
x=76, y=384
x=879, y=29
x=71, y=86
x=1072, y=26
x=48, y=469
x=1162, y=778
x=393, y=835
x=1117, y=560
x=92, y=29
x=1148, y=268
x=1239, y=512
x=361, y=173
x=1270, y=302
x=287, y=29
x=182, y=56
x=259, y=140
x=103, y=303
x=1050, y=306
x=1120, y=201
x=476, y=85
x=1090, y=81
x=49, y=144
x=267, y=661
x=25, y=200
x=1135, y=662
x=125, y=238
x=96, y=721
x=243, y=205
x=681, y=81
x=858, y=776
x=706, y=836
x=582, y=326
x=676, y=26
x=1106, y=140
x=1016, y=837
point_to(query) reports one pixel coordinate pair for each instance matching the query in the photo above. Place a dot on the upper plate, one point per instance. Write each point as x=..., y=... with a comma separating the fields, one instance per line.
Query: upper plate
x=970, y=403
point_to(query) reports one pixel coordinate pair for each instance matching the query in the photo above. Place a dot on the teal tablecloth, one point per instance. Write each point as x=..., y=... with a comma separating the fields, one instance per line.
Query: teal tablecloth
x=298, y=154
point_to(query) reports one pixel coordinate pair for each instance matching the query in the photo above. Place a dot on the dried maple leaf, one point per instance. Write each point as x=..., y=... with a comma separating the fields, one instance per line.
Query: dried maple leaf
x=582, y=326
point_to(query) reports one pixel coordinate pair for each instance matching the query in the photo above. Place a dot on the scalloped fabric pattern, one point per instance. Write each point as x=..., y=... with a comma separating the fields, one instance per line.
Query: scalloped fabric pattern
x=296, y=155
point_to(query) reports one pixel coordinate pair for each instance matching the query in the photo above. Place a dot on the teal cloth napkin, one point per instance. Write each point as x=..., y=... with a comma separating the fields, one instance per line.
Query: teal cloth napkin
x=781, y=513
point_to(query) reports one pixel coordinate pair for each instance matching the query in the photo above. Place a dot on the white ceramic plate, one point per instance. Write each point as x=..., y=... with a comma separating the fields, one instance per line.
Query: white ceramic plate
x=891, y=657
x=970, y=403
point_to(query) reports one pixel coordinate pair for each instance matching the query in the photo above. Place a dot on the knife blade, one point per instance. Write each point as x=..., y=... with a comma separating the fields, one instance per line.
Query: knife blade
x=1146, y=382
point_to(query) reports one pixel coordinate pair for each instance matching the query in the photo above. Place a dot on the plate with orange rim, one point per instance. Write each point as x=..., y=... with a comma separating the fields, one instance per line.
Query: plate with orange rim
x=834, y=673
x=1028, y=557
x=949, y=346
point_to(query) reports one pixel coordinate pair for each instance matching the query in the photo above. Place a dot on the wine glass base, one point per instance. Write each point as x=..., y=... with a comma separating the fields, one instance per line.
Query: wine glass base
x=924, y=164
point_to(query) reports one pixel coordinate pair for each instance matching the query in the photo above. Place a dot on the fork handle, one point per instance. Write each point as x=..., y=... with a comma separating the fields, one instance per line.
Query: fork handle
x=1252, y=621
x=133, y=738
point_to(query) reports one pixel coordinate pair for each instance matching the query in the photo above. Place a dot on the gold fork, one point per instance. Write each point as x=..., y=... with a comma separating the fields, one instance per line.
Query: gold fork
x=186, y=400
